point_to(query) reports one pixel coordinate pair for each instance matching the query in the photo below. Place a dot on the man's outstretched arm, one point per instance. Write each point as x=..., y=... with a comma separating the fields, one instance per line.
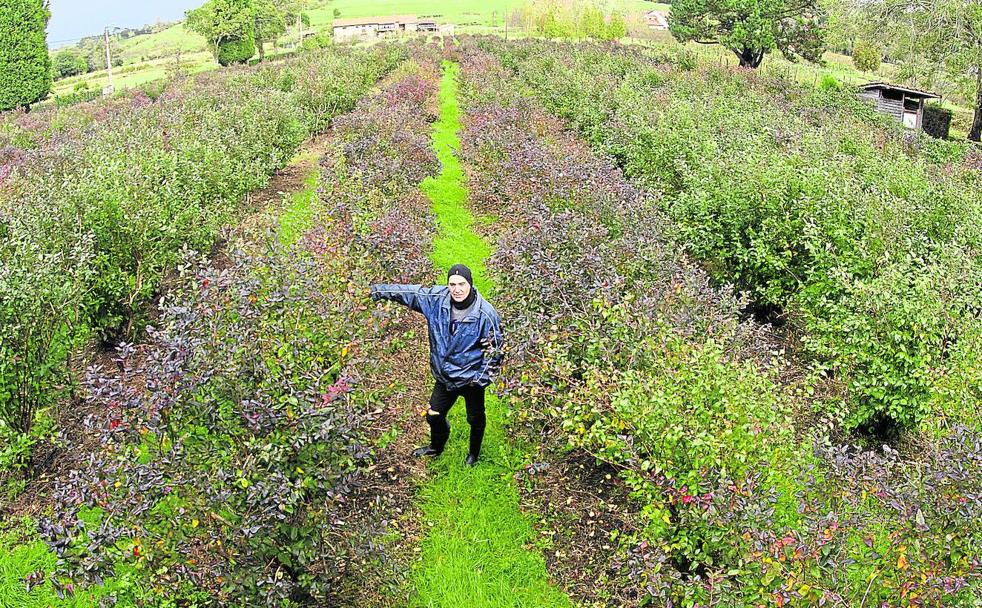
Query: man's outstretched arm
x=407, y=295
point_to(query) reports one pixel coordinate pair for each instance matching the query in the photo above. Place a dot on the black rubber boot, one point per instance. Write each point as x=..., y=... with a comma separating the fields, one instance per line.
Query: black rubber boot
x=471, y=460
x=426, y=450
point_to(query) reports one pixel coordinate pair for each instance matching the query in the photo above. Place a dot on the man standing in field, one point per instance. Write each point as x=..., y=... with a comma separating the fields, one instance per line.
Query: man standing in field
x=465, y=351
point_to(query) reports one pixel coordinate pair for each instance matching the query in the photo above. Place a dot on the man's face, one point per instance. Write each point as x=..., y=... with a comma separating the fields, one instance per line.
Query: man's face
x=459, y=288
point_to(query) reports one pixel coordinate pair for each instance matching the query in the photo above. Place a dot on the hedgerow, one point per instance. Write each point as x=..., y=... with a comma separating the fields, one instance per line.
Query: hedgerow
x=865, y=238
x=98, y=207
x=235, y=440
x=622, y=348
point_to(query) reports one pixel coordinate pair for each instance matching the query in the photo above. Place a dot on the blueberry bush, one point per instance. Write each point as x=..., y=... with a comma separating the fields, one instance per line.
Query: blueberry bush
x=234, y=441
x=623, y=348
x=864, y=237
x=98, y=202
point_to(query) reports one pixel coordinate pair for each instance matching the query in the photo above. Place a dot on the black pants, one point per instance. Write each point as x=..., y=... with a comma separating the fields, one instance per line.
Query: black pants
x=442, y=400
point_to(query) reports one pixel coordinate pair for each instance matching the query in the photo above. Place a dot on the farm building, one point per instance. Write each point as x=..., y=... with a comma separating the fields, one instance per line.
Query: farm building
x=379, y=27
x=906, y=104
x=373, y=27
x=656, y=20
x=432, y=27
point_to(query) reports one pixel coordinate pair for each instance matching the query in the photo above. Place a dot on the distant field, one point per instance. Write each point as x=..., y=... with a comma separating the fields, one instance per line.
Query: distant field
x=137, y=73
x=462, y=13
x=161, y=44
x=147, y=56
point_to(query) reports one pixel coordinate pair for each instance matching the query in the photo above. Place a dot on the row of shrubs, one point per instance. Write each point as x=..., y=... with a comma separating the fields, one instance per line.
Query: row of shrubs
x=621, y=347
x=236, y=439
x=102, y=200
x=866, y=238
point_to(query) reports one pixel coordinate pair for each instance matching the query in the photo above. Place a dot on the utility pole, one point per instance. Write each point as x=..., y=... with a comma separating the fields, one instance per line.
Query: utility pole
x=300, y=25
x=109, y=66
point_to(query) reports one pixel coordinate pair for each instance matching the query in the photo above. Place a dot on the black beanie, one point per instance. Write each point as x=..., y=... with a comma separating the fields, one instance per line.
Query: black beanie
x=461, y=270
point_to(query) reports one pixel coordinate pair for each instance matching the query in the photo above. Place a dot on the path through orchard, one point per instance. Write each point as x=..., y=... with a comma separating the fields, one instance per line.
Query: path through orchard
x=475, y=551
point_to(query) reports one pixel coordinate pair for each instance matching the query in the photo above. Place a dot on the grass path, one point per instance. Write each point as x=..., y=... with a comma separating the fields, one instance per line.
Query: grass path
x=476, y=551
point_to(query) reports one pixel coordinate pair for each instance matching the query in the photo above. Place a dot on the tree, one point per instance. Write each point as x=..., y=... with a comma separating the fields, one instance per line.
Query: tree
x=270, y=23
x=616, y=28
x=937, y=38
x=229, y=28
x=25, y=65
x=237, y=50
x=69, y=62
x=752, y=28
x=866, y=56
x=592, y=23
x=94, y=51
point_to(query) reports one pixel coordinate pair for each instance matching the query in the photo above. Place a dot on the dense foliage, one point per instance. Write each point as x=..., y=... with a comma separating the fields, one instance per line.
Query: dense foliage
x=866, y=239
x=933, y=38
x=866, y=56
x=571, y=19
x=229, y=28
x=234, y=442
x=753, y=28
x=68, y=62
x=269, y=22
x=96, y=214
x=25, y=66
x=236, y=50
x=620, y=347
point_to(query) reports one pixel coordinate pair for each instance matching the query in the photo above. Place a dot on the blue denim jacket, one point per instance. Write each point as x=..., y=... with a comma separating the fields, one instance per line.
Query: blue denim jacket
x=458, y=360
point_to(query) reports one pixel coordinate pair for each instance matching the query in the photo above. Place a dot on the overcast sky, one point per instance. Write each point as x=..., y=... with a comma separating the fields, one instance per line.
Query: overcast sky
x=73, y=19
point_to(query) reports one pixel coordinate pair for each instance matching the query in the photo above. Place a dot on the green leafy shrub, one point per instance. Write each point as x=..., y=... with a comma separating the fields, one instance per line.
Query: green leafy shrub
x=240, y=473
x=239, y=50
x=829, y=83
x=866, y=56
x=821, y=211
x=96, y=220
x=619, y=347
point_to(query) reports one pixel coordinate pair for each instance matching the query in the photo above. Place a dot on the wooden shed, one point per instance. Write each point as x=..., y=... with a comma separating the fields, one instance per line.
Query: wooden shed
x=906, y=104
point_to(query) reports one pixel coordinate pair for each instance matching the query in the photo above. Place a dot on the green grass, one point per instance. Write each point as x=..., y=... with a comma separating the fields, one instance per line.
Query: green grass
x=137, y=74
x=19, y=557
x=164, y=43
x=298, y=216
x=476, y=550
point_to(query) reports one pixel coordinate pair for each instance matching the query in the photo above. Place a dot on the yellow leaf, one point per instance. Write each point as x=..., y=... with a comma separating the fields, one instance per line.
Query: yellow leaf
x=344, y=351
x=902, y=562
x=194, y=523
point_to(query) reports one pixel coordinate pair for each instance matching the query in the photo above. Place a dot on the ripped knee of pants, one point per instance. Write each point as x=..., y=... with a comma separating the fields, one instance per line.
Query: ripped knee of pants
x=433, y=416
